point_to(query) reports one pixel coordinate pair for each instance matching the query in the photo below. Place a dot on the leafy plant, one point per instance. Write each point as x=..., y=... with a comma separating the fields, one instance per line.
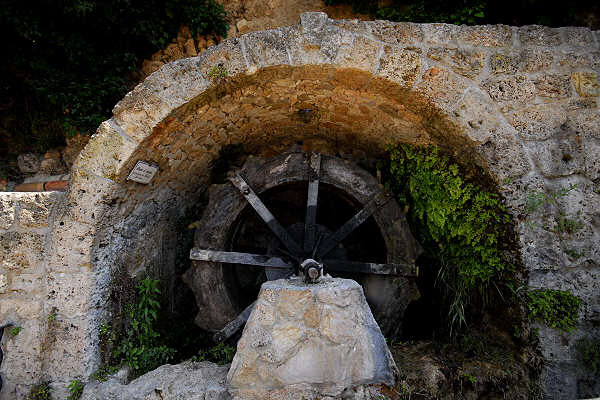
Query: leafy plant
x=459, y=222
x=556, y=308
x=102, y=373
x=75, y=389
x=220, y=354
x=15, y=330
x=140, y=347
x=218, y=72
x=68, y=63
x=41, y=391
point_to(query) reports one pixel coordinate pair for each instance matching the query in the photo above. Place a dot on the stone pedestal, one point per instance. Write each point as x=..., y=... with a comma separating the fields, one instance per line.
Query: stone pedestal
x=310, y=341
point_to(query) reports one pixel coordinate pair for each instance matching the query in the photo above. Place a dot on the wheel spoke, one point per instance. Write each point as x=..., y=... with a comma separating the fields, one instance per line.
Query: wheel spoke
x=334, y=239
x=233, y=326
x=311, y=202
x=233, y=257
x=262, y=210
x=372, y=268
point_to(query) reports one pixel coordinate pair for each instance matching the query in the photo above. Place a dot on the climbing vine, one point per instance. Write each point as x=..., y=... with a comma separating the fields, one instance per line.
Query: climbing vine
x=464, y=226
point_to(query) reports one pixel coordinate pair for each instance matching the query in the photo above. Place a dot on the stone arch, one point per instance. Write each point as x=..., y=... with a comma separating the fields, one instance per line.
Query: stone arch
x=365, y=83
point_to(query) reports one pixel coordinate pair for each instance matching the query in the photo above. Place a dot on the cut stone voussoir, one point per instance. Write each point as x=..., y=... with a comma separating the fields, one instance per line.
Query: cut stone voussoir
x=310, y=341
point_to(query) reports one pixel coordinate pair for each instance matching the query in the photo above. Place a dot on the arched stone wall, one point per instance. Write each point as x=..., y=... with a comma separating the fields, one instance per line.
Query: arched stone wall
x=510, y=101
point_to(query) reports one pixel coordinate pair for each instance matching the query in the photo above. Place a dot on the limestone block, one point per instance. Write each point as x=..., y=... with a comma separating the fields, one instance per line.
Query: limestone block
x=106, y=152
x=89, y=195
x=21, y=252
x=579, y=37
x=22, y=362
x=229, y=54
x=69, y=293
x=436, y=34
x=553, y=86
x=557, y=157
x=363, y=54
x=400, y=65
x=539, y=121
x=513, y=88
x=485, y=35
x=140, y=111
x=8, y=203
x=323, y=341
x=399, y=33
x=313, y=26
x=538, y=35
x=321, y=46
x=266, y=48
x=71, y=246
x=480, y=114
x=442, y=87
x=465, y=62
x=353, y=25
x=188, y=380
x=177, y=82
x=35, y=209
x=586, y=84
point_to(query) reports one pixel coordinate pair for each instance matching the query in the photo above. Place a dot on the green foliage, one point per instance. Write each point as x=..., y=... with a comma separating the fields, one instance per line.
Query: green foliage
x=459, y=222
x=75, y=389
x=140, y=347
x=67, y=63
x=556, y=308
x=217, y=72
x=101, y=374
x=40, y=391
x=220, y=354
x=588, y=354
x=563, y=224
x=15, y=330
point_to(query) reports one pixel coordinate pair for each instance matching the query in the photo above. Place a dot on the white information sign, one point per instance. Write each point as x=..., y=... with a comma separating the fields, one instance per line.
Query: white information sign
x=143, y=172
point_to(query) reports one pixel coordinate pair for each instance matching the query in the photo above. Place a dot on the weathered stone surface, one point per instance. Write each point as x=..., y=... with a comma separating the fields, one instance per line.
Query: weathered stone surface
x=35, y=209
x=396, y=32
x=323, y=341
x=553, y=86
x=363, y=54
x=517, y=88
x=539, y=121
x=29, y=162
x=188, y=380
x=557, y=157
x=485, y=35
x=442, y=87
x=8, y=205
x=586, y=84
x=465, y=62
x=539, y=35
x=400, y=65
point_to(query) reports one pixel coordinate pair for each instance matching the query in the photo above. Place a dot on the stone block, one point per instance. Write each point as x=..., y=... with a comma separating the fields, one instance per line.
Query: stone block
x=356, y=26
x=177, y=82
x=485, y=35
x=538, y=35
x=106, y=152
x=557, y=157
x=323, y=340
x=465, y=62
x=553, y=86
x=313, y=27
x=398, y=33
x=400, y=65
x=90, y=195
x=266, y=48
x=140, y=111
x=479, y=115
x=539, y=121
x=71, y=246
x=512, y=88
x=504, y=154
x=228, y=54
x=363, y=54
x=319, y=49
x=586, y=84
x=440, y=34
x=69, y=293
x=442, y=87
x=35, y=209
x=579, y=37
x=8, y=203
x=22, y=362
x=21, y=252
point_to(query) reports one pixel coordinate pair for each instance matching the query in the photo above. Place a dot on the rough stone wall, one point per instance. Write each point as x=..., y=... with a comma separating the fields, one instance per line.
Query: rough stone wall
x=521, y=103
x=26, y=221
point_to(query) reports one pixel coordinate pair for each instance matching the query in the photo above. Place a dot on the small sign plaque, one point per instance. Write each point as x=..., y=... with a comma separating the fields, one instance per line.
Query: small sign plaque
x=143, y=172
